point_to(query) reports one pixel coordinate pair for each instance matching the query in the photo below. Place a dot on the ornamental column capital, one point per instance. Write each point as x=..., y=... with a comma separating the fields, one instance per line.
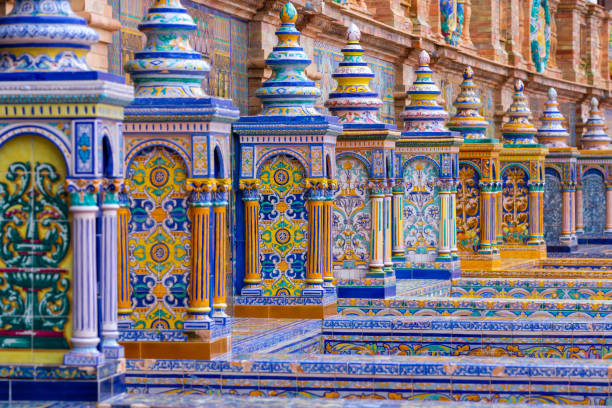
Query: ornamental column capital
x=83, y=192
x=201, y=191
x=250, y=189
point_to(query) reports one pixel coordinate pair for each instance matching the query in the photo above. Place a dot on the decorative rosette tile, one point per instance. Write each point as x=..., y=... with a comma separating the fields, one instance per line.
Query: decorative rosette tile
x=424, y=117
x=518, y=129
x=353, y=101
x=288, y=92
x=168, y=67
x=595, y=137
x=552, y=133
x=44, y=36
x=468, y=119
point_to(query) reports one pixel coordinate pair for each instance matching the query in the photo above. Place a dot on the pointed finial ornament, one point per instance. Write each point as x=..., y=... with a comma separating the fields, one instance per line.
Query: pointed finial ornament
x=595, y=137
x=353, y=101
x=168, y=67
x=552, y=133
x=518, y=129
x=44, y=36
x=288, y=92
x=468, y=119
x=424, y=117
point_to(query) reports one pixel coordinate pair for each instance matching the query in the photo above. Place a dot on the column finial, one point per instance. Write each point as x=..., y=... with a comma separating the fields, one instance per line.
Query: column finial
x=424, y=117
x=355, y=104
x=288, y=92
x=518, y=129
x=552, y=133
x=168, y=67
x=595, y=137
x=468, y=119
x=44, y=36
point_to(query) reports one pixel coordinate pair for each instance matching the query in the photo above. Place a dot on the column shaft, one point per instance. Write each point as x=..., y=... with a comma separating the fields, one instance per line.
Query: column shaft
x=199, y=293
x=487, y=226
x=452, y=232
x=220, y=227
x=125, y=302
x=84, y=284
x=566, y=209
x=108, y=282
x=388, y=256
x=579, y=211
x=608, y=209
x=377, y=198
x=399, y=252
x=314, y=270
x=328, y=271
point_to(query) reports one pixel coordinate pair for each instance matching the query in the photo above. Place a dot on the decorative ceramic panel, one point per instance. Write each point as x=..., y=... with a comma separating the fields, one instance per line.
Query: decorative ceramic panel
x=553, y=208
x=159, y=238
x=222, y=40
x=468, y=209
x=452, y=16
x=515, y=202
x=539, y=33
x=352, y=214
x=35, y=250
x=326, y=59
x=283, y=226
x=593, y=193
x=421, y=210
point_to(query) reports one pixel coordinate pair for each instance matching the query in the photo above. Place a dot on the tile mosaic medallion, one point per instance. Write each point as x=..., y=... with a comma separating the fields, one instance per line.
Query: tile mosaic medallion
x=352, y=214
x=552, y=203
x=35, y=246
x=593, y=188
x=283, y=226
x=515, y=205
x=421, y=210
x=468, y=208
x=159, y=239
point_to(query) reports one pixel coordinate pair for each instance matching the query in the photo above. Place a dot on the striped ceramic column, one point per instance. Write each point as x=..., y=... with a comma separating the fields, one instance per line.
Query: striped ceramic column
x=199, y=281
x=84, y=208
x=399, y=252
x=536, y=235
x=109, y=275
x=328, y=271
x=124, y=305
x=444, y=244
x=219, y=259
x=499, y=216
x=608, y=228
x=487, y=227
x=314, y=267
x=579, y=210
x=452, y=231
x=566, y=214
x=377, y=197
x=252, y=274
x=388, y=214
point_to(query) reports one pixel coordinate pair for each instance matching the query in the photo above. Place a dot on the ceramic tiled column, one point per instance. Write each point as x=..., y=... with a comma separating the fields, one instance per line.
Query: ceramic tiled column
x=199, y=285
x=109, y=265
x=399, y=252
x=124, y=305
x=377, y=200
x=252, y=275
x=220, y=241
x=388, y=229
x=83, y=207
x=328, y=272
x=316, y=241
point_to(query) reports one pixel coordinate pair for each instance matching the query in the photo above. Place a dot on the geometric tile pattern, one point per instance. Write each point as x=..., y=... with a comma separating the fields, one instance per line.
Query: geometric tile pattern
x=159, y=239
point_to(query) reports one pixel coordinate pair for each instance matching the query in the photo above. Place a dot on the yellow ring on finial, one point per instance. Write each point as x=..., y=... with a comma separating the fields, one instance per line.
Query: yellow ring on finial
x=288, y=13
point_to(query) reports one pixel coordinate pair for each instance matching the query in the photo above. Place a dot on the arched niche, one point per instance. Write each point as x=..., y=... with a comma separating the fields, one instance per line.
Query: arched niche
x=159, y=237
x=351, y=224
x=283, y=225
x=553, y=206
x=35, y=245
